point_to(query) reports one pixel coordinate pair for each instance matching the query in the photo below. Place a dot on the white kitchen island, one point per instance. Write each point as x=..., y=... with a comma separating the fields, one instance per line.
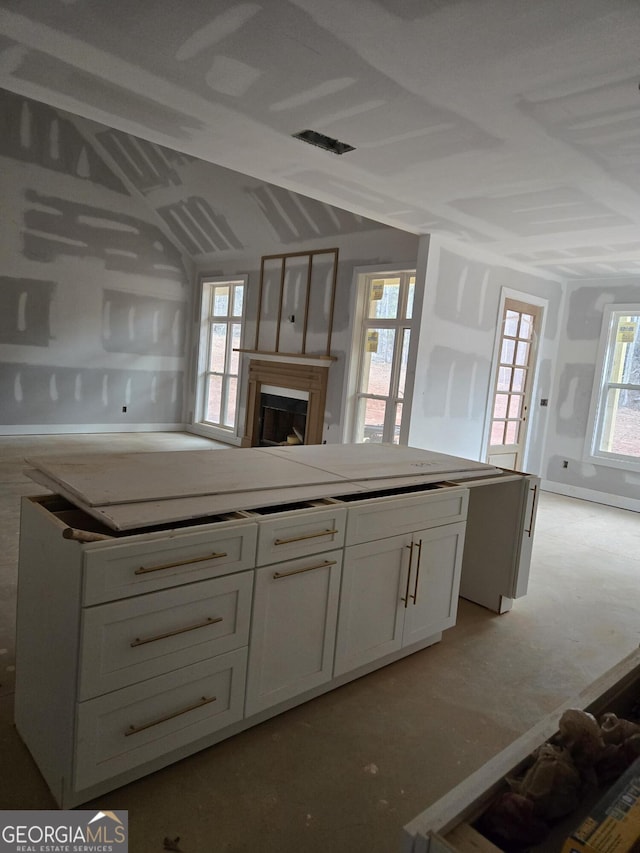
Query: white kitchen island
x=169, y=600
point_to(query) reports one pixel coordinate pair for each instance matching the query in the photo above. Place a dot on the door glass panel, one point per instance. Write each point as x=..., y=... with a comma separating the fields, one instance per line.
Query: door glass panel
x=526, y=326
x=504, y=378
x=515, y=404
x=511, y=324
x=511, y=433
x=507, y=353
x=519, y=378
x=522, y=353
x=500, y=408
x=497, y=432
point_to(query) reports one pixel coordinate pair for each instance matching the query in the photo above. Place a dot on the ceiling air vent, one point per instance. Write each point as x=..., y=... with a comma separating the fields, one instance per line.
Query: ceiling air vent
x=322, y=141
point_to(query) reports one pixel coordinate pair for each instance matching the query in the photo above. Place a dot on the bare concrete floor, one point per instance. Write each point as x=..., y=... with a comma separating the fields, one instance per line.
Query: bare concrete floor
x=346, y=771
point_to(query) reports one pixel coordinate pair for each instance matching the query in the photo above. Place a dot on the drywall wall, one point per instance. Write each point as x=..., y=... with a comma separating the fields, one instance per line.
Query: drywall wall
x=102, y=232
x=453, y=363
x=94, y=297
x=567, y=438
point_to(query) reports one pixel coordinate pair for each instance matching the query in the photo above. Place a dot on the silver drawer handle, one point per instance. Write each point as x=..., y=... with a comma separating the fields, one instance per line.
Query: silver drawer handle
x=323, y=565
x=133, y=730
x=415, y=588
x=533, y=510
x=208, y=621
x=406, y=592
x=144, y=569
x=304, y=536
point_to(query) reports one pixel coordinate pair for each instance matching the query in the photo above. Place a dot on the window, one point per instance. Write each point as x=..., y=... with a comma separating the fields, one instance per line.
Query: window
x=221, y=324
x=383, y=349
x=615, y=407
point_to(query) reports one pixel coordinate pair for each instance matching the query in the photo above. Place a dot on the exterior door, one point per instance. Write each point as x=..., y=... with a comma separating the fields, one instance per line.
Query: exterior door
x=513, y=384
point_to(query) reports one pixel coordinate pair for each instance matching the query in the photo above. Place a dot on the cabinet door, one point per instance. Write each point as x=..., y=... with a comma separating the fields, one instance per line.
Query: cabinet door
x=293, y=628
x=434, y=583
x=375, y=580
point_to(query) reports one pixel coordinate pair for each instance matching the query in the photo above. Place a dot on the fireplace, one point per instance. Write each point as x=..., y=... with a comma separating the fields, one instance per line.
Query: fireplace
x=283, y=418
x=300, y=390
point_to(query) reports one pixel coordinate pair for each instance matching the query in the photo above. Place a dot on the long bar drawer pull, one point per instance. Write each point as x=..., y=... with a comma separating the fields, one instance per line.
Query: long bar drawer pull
x=143, y=570
x=406, y=592
x=304, y=536
x=533, y=510
x=208, y=621
x=133, y=730
x=322, y=565
x=415, y=588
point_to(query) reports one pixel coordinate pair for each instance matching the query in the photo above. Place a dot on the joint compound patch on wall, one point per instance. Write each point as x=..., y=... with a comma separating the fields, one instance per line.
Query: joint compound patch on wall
x=462, y=295
x=64, y=395
x=56, y=226
x=146, y=165
x=142, y=324
x=586, y=306
x=197, y=227
x=32, y=132
x=574, y=398
x=294, y=217
x=465, y=393
x=25, y=308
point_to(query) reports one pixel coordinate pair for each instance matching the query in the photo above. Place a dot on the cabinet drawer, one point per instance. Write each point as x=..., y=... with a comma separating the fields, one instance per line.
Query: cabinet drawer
x=130, y=640
x=378, y=518
x=121, y=570
x=300, y=533
x=130, y=727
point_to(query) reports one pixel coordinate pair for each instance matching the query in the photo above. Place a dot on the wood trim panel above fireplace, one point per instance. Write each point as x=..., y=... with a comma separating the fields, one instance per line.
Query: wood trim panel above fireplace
x=286, y=375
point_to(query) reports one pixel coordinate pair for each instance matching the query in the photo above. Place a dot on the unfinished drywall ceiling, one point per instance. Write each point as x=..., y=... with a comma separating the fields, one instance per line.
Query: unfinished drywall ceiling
x=505, y=123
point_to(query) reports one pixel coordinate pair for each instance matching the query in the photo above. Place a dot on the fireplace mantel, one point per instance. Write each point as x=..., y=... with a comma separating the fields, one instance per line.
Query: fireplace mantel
x=297, y=376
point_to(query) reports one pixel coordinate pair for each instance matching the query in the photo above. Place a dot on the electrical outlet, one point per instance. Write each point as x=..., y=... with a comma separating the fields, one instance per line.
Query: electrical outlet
x=124, y=408
x=565, y=463
x=544, y=401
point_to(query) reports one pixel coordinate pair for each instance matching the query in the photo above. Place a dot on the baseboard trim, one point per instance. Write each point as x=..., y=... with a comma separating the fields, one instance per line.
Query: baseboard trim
x=87, y=429
x=591, y=495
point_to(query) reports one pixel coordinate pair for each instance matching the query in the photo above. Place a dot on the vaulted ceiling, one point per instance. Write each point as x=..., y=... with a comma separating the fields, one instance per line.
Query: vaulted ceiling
x=510, y=124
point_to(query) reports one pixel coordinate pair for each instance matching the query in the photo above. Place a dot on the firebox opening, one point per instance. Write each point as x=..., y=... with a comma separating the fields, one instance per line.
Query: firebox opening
x=282, y=420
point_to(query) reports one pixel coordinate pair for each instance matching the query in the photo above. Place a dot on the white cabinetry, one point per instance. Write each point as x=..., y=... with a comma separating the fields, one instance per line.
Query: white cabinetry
x=294, y=627
x=129, y=651
x=146, y=645
x=400, y=590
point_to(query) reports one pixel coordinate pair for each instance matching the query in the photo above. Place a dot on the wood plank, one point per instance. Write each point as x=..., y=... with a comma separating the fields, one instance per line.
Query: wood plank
x=119, y=478
x=140, y=514
x=361, y=462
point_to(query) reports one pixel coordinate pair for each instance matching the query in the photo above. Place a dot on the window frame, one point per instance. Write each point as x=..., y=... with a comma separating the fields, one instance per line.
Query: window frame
x=207, y=285
x=364, y=277
x=601, y=385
